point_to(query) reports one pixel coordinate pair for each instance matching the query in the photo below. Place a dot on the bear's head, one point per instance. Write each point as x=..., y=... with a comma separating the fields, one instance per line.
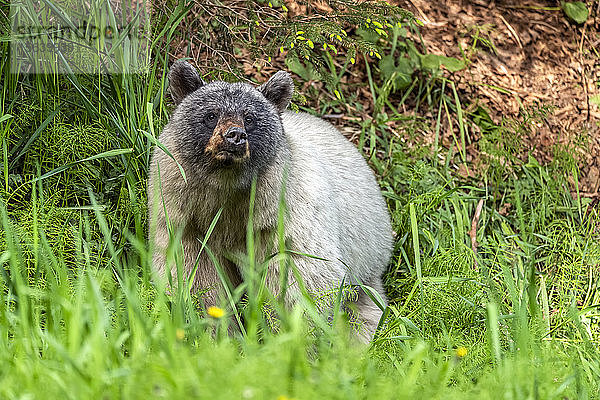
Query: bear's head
x=231, y=131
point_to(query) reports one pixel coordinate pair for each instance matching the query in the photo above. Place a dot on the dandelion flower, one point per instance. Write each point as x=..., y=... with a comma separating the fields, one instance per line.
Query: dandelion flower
x=461, y=352
x=215, y=312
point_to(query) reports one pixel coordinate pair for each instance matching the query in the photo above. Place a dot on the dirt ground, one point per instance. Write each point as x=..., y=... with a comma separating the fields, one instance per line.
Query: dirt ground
x=536, y=56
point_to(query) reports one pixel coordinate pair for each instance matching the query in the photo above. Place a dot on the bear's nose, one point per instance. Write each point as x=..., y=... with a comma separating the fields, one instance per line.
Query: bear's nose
x=235, y=135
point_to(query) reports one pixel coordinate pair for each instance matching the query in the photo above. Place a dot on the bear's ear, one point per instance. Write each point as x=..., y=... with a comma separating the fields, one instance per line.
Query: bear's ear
x=183, y=80
x=278, y=90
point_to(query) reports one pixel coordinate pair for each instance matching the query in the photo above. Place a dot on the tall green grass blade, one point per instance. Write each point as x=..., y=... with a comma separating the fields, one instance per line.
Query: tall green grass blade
x=106, y=154
x=494, y=332
x=167, y=152
x=211, y=227
x=32, y=138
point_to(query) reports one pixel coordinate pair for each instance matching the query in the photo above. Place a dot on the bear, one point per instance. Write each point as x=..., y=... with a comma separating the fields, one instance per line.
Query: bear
x=228, y=137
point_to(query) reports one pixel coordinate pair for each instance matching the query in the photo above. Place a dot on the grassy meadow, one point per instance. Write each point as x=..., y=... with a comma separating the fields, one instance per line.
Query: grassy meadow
x=494, y=286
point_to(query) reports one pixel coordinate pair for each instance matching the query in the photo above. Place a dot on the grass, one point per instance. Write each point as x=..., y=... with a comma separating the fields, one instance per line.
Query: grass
x=83, y=315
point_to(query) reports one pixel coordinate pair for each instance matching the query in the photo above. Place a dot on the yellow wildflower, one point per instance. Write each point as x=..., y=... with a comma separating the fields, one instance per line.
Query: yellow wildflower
x=179, y=334
x=461, y=352
x=215, y=312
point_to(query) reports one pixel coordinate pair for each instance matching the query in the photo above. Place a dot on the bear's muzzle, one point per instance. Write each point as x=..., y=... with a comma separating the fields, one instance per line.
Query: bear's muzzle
x=229, y=141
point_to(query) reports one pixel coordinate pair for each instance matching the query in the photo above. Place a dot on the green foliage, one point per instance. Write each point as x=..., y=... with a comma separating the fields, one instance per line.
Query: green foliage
x=503, y=146
x=310, y=37
x=67, y=143
x=402, y=60
x=577, y=11
x=536, y=245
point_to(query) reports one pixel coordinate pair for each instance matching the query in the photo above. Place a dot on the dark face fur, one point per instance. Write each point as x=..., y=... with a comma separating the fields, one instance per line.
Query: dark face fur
x=230, y=131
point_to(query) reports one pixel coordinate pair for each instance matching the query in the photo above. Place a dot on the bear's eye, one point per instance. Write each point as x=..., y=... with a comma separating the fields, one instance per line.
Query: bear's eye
x=248, y=120
x=210, y=117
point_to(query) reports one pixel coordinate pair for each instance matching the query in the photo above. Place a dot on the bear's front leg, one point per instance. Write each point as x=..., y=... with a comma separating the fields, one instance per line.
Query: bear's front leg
x=209, y=275
x=187, y=260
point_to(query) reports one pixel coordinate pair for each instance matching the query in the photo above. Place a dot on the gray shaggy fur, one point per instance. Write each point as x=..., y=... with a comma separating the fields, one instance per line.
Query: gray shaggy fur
x=334, y=207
